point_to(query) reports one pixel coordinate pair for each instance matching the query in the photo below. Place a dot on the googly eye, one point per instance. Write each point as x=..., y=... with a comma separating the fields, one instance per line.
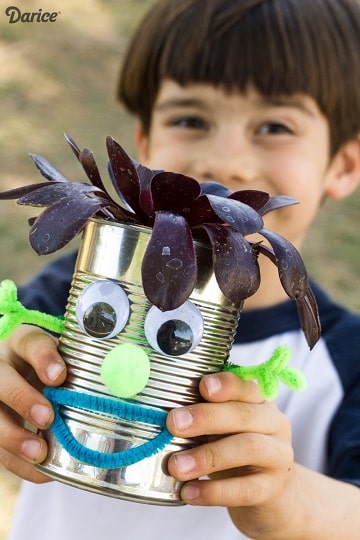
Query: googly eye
x=102, y=309
x=174, y=332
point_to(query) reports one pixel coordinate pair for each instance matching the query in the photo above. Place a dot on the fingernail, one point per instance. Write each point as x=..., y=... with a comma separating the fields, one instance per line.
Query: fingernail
x=213, y=384
x=41, y=415
x=54, y=370
x=31, y=449
x=184, y=463
x=182, y=419
x=190, y=492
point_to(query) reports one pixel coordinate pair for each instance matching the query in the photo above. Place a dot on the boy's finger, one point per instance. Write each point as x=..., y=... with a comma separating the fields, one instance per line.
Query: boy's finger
x=38, y=349
x=21, y=468
x=17, y=394
x=249, y=450
x=226, y=418
x=21, y=442
x=249, y=490
x=223, y=386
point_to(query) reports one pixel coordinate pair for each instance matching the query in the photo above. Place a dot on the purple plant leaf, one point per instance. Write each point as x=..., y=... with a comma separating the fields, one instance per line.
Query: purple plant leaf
x=174, y=192
x=46, y=194
x=169, y=268
x=235, y=263
x=21, y=191
x=62, y=221
x=48, y=170
x=252, y=197
x=291, y=268
x=146, y=176
x=309, y=318
x=87, y=160
x=259, y=247
x=214, y=188
x=201, y=211
x=51, y=193
x=306, y=306
x=145, y=198
x=278, y=201
x=238, y=215
x=144, y=173
x=123, y=204
x=125, y=178
x=74, y=147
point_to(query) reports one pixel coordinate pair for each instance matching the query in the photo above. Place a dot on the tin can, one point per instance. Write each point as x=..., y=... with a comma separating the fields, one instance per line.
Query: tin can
x=114, y=251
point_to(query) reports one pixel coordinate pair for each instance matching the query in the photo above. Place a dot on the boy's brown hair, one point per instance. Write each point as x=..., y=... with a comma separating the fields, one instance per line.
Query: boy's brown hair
x=281, y=47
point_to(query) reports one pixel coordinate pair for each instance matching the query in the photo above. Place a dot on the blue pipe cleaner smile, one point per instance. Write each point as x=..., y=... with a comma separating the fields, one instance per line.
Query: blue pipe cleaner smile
x=62, y=397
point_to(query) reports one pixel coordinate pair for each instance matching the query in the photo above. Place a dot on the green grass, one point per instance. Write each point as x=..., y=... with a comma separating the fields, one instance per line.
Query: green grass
x=61, y=78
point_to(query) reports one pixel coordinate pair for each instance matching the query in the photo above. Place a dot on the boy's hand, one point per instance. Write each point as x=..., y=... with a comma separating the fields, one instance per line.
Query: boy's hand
x=29, y=359
x=249, y=456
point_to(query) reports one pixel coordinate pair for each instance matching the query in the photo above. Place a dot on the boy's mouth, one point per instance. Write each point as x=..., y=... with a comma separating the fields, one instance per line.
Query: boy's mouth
x=59, y=397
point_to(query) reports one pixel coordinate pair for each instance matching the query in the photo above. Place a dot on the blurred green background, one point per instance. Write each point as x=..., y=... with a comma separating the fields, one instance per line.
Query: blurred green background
x=60, y=77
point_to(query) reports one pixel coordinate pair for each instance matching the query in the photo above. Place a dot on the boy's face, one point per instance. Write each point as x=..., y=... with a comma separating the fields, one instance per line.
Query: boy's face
x=280, y=146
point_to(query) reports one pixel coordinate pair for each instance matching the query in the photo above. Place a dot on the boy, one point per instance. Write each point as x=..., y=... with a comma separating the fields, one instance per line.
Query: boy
x=256, y=94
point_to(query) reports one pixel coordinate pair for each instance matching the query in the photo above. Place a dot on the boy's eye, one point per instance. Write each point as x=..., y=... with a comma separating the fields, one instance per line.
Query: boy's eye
x=190, y=122
x=273, y=128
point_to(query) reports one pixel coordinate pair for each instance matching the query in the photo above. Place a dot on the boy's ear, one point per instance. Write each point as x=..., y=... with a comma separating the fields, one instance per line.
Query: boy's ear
x=345, y=171
x=141, y=143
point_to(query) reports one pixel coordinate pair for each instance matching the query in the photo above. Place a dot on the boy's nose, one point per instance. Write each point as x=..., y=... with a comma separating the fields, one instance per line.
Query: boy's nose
x=230, y=163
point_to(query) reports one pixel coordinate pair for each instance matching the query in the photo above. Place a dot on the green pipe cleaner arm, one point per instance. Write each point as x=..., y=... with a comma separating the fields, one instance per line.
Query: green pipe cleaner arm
x=14, y=313
x=269, y=373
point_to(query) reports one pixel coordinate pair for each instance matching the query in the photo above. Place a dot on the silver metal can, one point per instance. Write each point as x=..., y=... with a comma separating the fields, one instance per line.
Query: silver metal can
x=114, y=251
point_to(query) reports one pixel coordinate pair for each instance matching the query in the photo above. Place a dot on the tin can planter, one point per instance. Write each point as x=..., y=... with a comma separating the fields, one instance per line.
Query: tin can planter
x=196, y=339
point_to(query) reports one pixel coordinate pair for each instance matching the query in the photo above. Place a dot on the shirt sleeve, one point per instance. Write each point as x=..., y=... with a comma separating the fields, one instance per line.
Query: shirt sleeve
x=344, y=439
x=48, y=291
x=344, y=433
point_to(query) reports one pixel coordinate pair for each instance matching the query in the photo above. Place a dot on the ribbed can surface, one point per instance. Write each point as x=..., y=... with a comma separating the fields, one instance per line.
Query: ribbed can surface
x=114, y=252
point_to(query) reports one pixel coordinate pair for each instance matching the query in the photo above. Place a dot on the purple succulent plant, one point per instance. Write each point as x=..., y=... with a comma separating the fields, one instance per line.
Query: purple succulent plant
x=179, y=210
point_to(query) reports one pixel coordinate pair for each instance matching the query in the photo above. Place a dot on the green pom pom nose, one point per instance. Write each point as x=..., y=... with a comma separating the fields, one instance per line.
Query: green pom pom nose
x=125, y=370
